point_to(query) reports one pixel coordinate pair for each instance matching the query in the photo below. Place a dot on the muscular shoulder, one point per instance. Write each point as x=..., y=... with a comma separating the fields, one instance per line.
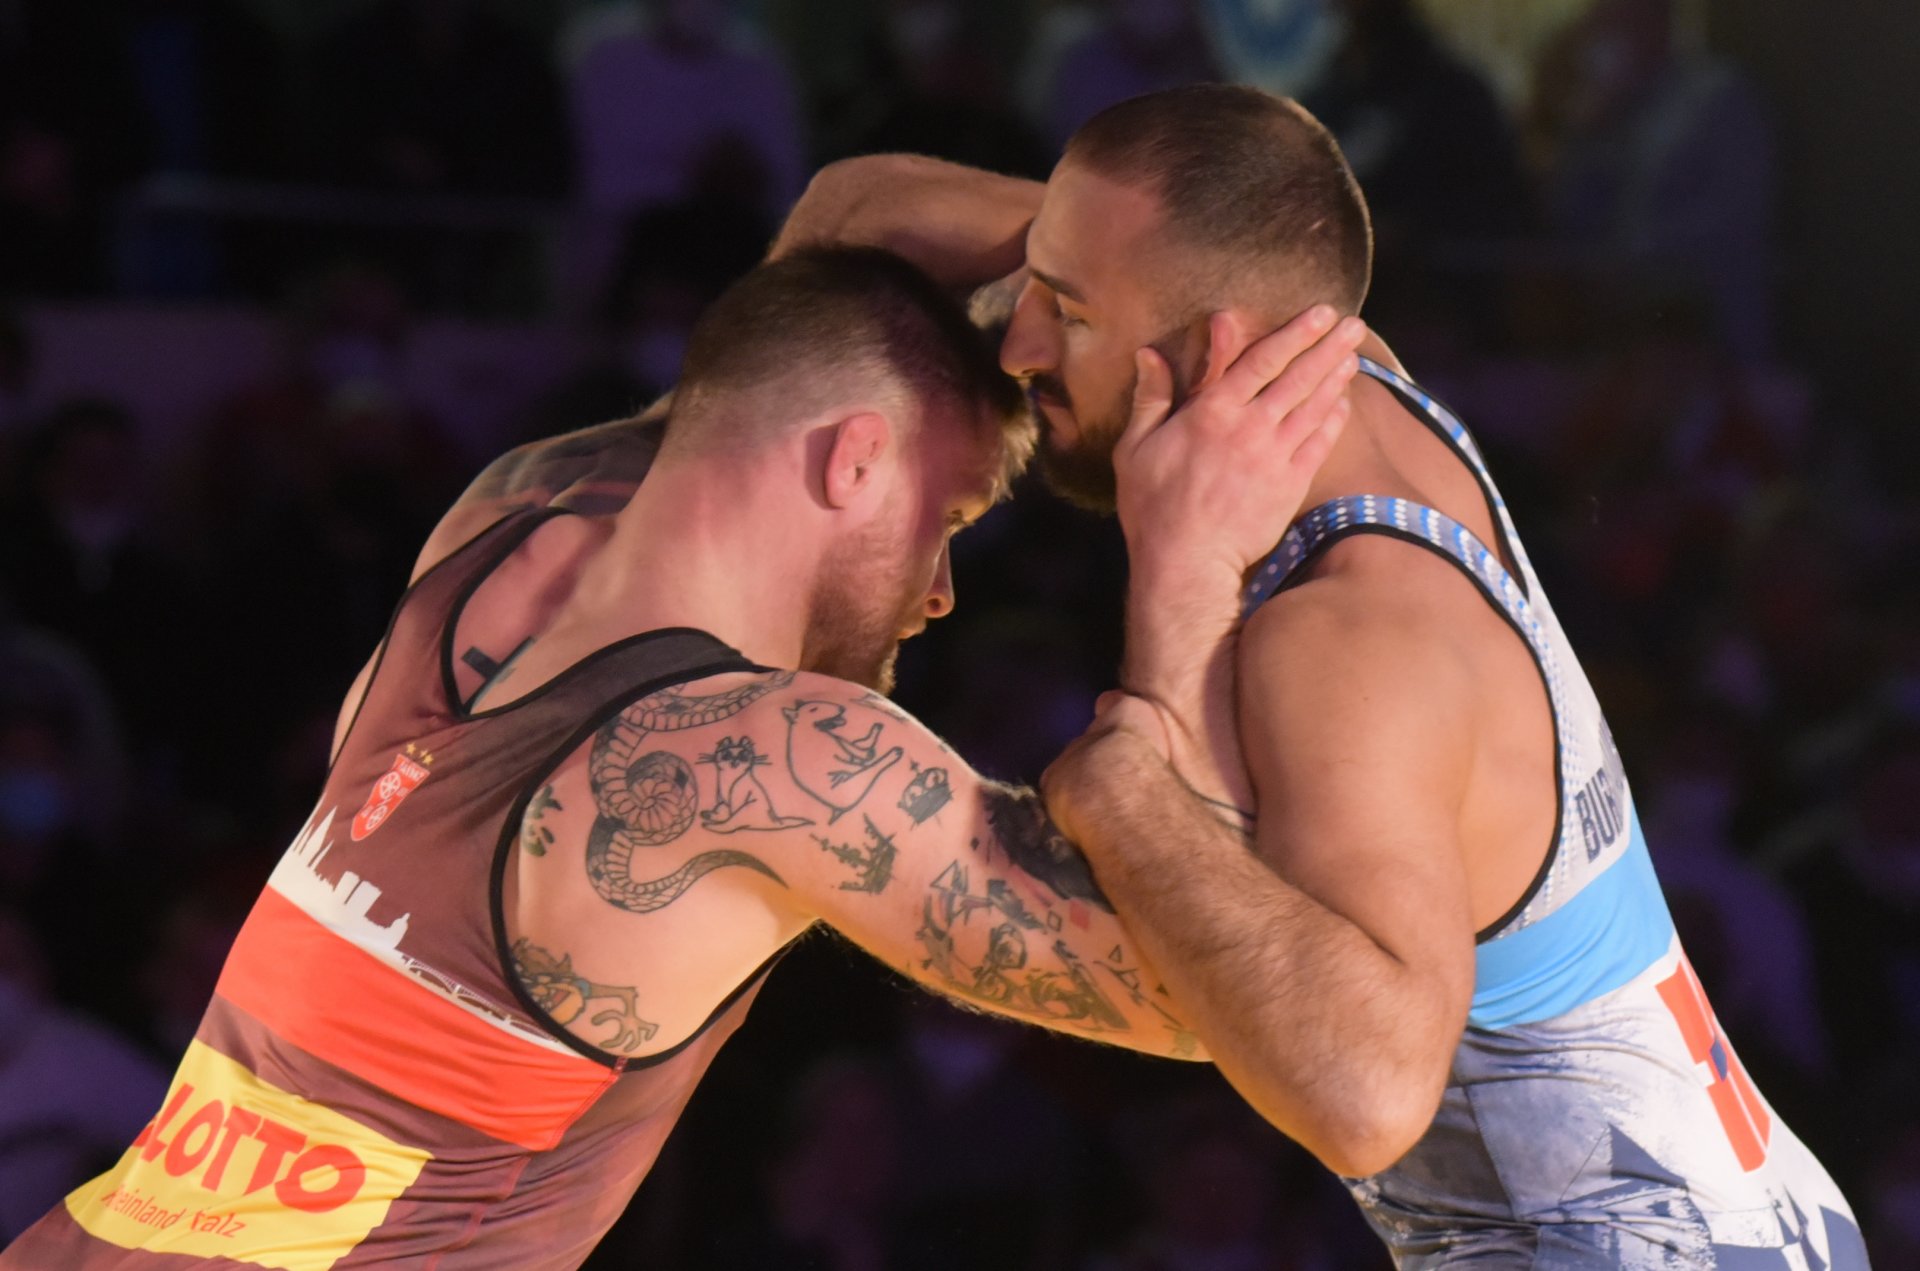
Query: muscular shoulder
x=1375, y=613
x=1369, y=674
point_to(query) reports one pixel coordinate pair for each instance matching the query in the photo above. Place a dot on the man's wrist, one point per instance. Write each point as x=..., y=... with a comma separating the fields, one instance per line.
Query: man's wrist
x=1201, y=585
x=1175, y=641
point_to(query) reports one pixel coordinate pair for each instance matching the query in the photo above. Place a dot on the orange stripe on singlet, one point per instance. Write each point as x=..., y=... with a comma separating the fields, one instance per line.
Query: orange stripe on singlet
x=334, y=1000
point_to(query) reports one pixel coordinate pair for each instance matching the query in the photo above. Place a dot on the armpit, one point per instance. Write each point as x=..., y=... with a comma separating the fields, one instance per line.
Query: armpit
x=1031, y=841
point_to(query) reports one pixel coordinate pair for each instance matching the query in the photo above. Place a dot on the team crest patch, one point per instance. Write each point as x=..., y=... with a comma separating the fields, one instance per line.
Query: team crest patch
x=395, y=784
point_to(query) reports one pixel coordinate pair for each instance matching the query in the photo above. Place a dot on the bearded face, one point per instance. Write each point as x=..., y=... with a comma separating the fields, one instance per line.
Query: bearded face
x=1077, y=462
x=865, y=602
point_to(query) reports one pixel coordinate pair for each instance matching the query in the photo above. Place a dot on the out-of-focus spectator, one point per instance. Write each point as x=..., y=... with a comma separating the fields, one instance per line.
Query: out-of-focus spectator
x=70, y=133
x=64, y=789
x=1659, y=169
x=46, y=679
x=1006, y=1146
x=1122, y=49
x=949, y=92
x=439, y=96
x=313, y=490
x=674, y=98
x=1431, y=146
x=77, y=557
x=72, y=1094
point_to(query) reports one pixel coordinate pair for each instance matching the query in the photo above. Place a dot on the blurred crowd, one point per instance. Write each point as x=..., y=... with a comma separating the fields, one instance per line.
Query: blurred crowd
x=1589, y=270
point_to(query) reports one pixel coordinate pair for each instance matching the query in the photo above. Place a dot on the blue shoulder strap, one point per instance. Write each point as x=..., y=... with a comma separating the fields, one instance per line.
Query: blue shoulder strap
x=1335, y=519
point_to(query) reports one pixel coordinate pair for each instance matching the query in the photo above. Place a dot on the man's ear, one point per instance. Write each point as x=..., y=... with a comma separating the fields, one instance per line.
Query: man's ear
x=860, y=443
x=1227, y=333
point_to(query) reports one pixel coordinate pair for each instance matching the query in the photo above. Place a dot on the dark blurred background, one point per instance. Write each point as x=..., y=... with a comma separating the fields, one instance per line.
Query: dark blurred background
x=277, y=276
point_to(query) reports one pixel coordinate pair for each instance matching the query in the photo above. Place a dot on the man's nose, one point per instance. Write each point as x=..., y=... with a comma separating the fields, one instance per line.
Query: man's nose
x=1030, y=345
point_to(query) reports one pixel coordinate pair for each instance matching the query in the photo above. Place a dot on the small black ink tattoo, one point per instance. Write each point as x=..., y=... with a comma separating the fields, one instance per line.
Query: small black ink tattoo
x=610, y=870
x=742, y=802
x=1003, y=976
x=872, y=865
x=926, y=794
x=836, y=769
x=535, y=838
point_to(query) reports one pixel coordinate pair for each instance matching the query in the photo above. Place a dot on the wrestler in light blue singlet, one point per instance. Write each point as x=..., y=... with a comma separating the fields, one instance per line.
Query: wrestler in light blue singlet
x=1595, y=1115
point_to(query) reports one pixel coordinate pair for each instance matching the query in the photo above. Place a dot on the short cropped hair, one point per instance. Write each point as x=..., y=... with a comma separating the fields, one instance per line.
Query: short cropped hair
x=1244, y=176
x=831, y=324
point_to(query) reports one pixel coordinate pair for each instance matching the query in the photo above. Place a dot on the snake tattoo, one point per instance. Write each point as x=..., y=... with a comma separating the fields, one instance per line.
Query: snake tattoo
x=646, y=798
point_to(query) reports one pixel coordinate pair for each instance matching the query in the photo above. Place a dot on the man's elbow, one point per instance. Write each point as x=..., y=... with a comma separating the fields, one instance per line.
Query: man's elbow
x=835, y=205
x=1370, y=1135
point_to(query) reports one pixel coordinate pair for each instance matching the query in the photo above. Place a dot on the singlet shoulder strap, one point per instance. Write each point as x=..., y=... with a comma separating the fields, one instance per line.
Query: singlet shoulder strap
x=415, y=628
x=1427, y=527
x=1432, y=409
x=1444, y=424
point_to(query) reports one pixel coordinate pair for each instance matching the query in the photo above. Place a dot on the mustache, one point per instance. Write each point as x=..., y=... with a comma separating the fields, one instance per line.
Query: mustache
x=1046, y=387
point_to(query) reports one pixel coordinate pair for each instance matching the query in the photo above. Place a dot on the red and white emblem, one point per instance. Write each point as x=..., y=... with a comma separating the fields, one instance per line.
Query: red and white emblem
x=393, y=786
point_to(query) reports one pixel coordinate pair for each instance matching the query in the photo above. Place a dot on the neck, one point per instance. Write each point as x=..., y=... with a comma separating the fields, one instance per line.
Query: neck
x=1356, y=463
x=707, y=543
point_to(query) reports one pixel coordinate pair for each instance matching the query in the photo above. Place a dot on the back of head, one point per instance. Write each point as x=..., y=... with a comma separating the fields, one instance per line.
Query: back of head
x=1259, y=204
x=834, y=327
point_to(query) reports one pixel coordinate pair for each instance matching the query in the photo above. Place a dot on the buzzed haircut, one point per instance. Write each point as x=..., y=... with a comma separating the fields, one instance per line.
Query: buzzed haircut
x=831, y=324
x=1247, y=177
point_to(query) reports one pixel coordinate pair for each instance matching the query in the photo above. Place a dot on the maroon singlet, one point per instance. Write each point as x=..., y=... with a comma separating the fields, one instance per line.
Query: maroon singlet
x=370, y=1085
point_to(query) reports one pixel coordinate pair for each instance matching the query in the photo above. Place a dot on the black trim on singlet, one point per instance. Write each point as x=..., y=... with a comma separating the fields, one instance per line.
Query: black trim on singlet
x=381, y=649
x=535, y=518
x=1298, y=575
x=1509, y=553
x=510, y=837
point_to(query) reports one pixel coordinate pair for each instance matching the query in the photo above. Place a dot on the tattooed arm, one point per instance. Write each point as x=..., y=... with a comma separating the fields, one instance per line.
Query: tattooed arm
x=747, y=812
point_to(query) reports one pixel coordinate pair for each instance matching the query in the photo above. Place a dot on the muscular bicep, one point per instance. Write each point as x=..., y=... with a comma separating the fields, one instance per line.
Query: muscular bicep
x=1356, y=733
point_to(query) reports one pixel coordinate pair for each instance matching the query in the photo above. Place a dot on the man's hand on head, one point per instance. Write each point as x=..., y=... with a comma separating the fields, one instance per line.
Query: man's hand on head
x=1207, y=489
